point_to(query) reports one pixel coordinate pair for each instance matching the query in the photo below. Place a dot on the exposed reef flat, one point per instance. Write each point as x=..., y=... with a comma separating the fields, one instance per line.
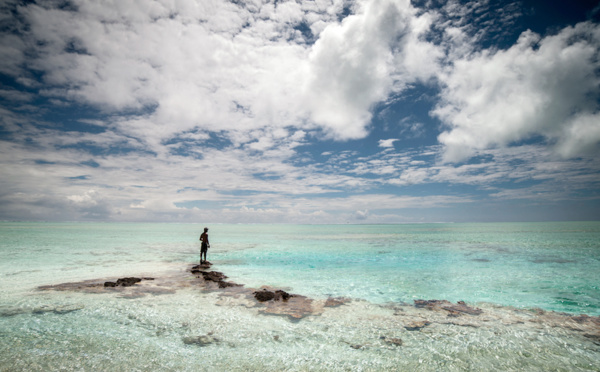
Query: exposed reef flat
x=420, y=316
x=269, y=300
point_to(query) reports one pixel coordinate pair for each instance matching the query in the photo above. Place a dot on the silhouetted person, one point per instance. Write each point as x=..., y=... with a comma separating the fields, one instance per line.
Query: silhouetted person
x=205, y=245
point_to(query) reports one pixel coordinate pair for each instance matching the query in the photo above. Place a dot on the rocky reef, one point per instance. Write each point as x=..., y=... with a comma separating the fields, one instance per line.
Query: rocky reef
x=420, y=316
x=271, y=301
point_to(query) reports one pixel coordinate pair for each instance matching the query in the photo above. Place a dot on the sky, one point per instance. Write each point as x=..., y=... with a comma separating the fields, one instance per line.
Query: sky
x=313, y=112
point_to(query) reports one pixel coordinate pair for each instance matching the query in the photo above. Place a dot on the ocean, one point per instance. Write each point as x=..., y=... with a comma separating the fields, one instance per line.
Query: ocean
x=508, y=296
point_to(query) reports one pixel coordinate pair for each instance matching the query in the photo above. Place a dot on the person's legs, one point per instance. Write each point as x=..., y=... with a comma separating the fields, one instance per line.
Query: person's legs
x=203, y=252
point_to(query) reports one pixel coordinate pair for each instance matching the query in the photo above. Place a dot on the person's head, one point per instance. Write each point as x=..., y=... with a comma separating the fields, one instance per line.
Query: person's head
x=205, y=229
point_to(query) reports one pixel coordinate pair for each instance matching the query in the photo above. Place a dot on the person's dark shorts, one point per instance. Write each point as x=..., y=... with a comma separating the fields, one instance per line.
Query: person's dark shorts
x=204, y=247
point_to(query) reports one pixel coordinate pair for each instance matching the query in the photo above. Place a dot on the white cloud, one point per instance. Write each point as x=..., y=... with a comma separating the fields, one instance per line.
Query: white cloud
x=413, y=176
x=227, y=67
x=540, y=86
x=210, y=104
x=88, y=199
x=362, y=215
x=358, y=63
x=580, y=135
x=387, y=143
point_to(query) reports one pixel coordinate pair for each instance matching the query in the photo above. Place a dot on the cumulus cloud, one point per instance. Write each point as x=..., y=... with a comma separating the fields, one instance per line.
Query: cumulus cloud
x=539, y=87
x=210, y=109
x=358, y=63
x=362, y=215
x=222, y=66
x=387, y=143
x=170, y=69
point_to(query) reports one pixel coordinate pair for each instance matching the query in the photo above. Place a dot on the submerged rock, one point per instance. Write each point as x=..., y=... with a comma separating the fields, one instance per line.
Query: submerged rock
x=296, y=307
x=594, y=337
x=392, y=341
x=12, y=311
x=417, y=325
x=203, y=340
x=454, y=310
x=335, y=302
x=431, y=304
x=62, y=309
x=461, y=307
x=583, y=318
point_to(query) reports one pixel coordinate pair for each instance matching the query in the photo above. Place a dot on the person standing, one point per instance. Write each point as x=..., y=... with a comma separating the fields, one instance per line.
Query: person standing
x=205, y=245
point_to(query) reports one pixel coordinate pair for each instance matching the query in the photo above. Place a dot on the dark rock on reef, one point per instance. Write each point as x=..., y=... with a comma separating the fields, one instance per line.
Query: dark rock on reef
x=454, y=310
x=266, y=295
x=583, y=318
x=594, y=337
x=216, y=277
x=431, y=304
x=123, y=282
x=224, y=284
x=128, y=282
x=198, y=268
x=461, y=307
x=213, y=276
x=279, y=294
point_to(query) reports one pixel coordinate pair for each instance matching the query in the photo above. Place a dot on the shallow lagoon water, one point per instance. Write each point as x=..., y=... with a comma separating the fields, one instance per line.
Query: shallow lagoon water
x=518, y=274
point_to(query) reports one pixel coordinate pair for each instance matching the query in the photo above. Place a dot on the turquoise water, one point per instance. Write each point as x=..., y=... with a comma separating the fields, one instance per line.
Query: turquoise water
x=554, y=266
x=520, y=266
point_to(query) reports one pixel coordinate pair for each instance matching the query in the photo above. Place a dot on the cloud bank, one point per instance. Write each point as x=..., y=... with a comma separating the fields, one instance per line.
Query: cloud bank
x=175, y=111
x=539, y=87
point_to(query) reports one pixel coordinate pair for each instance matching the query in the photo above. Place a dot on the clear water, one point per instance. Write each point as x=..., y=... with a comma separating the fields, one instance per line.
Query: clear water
x=506, y=269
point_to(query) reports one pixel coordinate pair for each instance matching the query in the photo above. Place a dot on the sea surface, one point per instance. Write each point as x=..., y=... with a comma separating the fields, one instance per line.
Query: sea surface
x=531, y=281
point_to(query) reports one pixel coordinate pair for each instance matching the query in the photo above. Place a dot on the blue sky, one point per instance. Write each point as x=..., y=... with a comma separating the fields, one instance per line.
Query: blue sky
x=326, y=111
